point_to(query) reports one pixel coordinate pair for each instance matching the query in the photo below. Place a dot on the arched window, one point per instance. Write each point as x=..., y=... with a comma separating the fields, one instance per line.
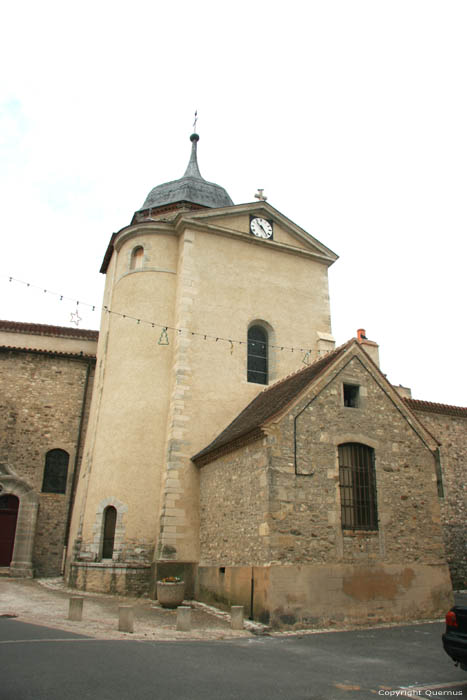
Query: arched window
x=257, y=355
x=110, y=521
x=136, y=261
x=357, y=481
x=55, y=471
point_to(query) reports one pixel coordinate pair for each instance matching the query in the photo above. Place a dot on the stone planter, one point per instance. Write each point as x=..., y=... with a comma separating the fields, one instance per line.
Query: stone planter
x=170, y=595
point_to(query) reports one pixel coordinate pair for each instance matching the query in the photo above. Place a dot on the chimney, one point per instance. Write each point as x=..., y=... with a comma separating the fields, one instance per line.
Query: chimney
x=369, y=346
x=361, y=335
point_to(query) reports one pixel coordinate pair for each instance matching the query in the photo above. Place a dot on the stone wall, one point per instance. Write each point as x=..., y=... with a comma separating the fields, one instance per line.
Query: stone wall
x=275, y=504
x=233, y=501
x=111, y=577
x=451, y=430
x=41, y=408
x=304, y=513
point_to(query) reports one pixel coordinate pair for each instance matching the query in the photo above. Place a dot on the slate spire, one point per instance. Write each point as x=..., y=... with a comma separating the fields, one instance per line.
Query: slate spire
x=192, y=169
x=191, y=188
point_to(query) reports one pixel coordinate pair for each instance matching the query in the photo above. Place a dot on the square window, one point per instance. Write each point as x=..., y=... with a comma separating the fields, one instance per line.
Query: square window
x=351, y=395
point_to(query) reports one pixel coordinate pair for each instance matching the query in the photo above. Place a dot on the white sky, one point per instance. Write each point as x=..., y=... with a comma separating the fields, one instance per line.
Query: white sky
x=351, y=114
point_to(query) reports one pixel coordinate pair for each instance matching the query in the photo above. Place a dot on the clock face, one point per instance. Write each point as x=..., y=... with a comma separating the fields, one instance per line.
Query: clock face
x=261, y=228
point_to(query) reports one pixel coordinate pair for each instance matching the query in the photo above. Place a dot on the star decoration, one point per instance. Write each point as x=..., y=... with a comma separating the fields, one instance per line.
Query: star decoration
x=75, y=318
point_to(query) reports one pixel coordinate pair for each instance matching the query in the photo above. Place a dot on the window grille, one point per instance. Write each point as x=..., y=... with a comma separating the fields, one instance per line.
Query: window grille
x=55, y=471
x=257, y=355
x=357, y=483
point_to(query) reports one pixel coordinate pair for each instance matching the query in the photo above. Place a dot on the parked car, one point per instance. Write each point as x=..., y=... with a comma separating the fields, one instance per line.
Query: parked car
x=455, y=637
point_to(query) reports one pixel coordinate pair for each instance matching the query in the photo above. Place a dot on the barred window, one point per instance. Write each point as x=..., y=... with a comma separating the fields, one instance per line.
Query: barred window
x=55, y=471
x=357, y=481
x=257, y=355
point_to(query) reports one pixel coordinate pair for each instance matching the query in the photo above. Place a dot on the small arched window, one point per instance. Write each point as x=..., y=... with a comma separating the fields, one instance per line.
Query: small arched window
x=136, y=261
x=55, y=471
x=110, y=521
x=257, y=355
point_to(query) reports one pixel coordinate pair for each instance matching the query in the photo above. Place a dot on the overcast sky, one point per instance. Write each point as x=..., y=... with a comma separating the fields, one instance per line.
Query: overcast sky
x=351, y=114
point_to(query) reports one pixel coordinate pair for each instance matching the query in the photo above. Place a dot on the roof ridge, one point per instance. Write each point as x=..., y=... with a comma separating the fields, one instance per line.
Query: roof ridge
x=47, y=351
x=433, y=405
x=308, y=367
x=47, y=329
x=269, y=402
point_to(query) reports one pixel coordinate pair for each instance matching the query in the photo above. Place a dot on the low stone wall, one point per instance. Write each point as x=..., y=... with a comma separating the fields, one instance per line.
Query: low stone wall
x=225, y=586
x=349, y=594
x=294, y=596
x=109, y=577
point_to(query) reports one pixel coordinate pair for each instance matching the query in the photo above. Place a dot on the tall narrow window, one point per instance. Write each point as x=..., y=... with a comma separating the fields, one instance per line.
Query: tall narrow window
x=136, y=261
x=357, y=481
x=257, y=355
x=55, y=471
x=110, y=520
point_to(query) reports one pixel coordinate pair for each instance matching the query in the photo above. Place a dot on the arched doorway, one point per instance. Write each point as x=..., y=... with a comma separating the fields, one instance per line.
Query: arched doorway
x=9, y=506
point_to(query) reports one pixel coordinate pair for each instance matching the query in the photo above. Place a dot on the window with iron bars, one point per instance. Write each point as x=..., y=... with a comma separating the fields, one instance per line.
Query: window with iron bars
x=357, y=481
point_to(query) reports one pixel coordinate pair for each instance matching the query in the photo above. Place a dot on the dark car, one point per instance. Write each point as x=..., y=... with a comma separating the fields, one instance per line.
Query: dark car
x=455, y=637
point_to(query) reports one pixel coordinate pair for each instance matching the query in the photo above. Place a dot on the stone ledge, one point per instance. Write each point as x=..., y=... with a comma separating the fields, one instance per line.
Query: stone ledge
x=109, y=565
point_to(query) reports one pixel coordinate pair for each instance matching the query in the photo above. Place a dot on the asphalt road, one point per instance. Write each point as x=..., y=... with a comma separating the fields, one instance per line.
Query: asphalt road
x=39, y=663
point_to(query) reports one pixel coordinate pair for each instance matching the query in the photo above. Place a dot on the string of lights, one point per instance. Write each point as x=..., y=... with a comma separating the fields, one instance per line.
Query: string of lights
x=164, y=337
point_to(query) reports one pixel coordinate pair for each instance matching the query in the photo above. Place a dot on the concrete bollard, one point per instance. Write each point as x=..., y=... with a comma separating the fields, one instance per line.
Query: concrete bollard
x=183, y=618
x=125, y=618
x=236, y=617
x=75, y=611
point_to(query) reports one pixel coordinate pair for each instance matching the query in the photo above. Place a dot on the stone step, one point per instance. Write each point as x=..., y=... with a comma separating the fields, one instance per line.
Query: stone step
x=4, y=570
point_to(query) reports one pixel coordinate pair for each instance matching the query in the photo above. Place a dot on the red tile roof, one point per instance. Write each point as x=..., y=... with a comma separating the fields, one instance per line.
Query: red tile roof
x=40, y=351
x=43, y=329
x=429, y=407
x=247, y=425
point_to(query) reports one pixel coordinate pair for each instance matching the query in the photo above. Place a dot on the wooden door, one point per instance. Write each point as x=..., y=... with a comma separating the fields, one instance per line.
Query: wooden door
x=8, y=516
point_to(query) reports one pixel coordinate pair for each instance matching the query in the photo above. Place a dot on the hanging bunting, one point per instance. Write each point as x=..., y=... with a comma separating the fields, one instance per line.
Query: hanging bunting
x=163, y=338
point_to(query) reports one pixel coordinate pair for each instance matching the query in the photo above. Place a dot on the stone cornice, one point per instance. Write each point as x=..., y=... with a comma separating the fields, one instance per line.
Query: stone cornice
x=188, y=223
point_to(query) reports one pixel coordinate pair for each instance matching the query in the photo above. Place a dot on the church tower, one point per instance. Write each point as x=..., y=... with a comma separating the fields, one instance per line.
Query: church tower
x=205, y=303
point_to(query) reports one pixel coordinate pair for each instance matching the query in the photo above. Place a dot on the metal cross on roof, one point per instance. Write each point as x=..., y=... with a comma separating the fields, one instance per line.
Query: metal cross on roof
x=196, y=119
x=259, y=195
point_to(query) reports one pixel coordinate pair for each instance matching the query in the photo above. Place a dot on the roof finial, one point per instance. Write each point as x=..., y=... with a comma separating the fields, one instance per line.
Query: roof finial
x=192, y=168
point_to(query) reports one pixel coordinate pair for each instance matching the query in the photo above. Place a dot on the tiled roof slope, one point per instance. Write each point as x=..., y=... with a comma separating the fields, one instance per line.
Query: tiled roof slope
x=429, y=407
x=270, y=402
x=43, y=329
x=39, y=351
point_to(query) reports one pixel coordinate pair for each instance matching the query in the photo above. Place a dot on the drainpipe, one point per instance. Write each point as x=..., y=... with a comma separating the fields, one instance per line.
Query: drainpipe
x=252, y=594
